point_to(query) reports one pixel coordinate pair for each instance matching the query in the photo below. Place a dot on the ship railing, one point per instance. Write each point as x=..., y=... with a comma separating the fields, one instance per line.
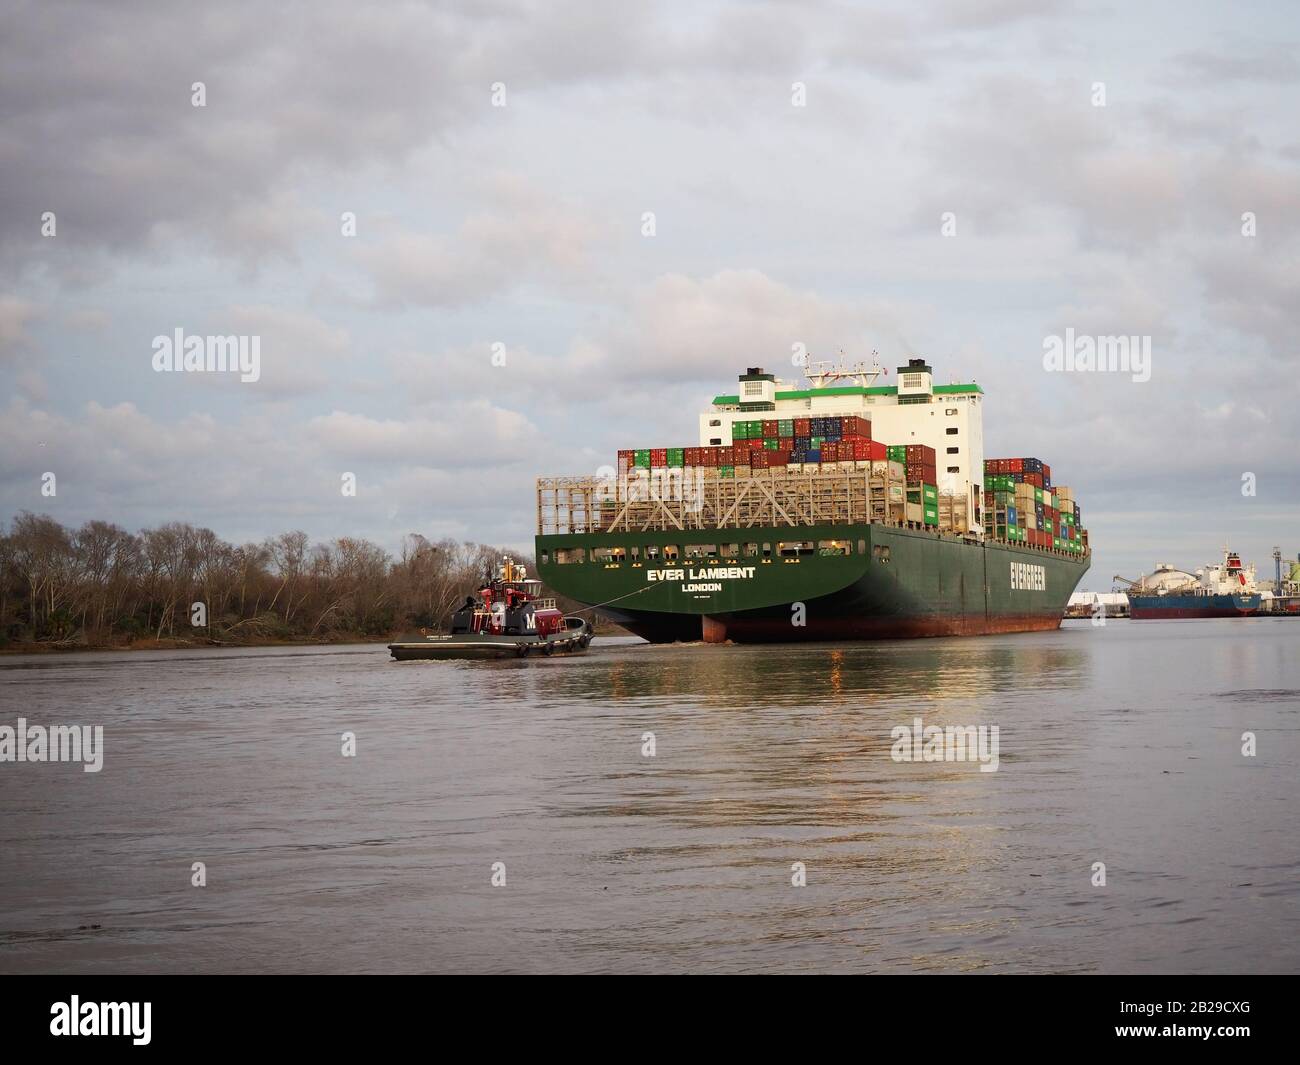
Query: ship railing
x=705, y=500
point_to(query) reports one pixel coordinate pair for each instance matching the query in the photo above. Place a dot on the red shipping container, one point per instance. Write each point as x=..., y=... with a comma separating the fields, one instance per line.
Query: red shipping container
x=658, y=456
x=755, y=445
x=726, y=456
x=802, y=427
x=784, y=443
x=691, y=456
x=778, y=458
x=830, y=451
x=1047, y=474
x=876, y=451
x=629, y=455
x=771, y=428
x=1036, y=479
x=709, y=456
x=1017, y=466
x=856, y=426
x=921, y=453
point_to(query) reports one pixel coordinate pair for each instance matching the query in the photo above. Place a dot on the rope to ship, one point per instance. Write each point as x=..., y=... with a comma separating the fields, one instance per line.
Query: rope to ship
x=597, y=606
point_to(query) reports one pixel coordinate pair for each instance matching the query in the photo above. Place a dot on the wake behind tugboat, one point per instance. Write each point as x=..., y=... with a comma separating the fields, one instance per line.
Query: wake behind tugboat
x=508, y=620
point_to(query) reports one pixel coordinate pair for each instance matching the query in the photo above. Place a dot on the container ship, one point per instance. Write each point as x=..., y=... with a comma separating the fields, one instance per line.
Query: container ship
x=846, y=509
x=1227, y=590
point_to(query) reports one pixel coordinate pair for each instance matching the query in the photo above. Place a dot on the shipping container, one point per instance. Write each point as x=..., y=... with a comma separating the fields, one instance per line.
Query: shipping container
x=857, y=426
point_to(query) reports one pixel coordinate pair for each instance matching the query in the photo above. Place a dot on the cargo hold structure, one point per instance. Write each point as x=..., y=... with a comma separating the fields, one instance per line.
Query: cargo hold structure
x=844, y=510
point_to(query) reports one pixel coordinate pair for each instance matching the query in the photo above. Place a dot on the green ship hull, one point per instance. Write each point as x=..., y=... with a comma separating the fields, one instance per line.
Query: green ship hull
x=893, y=582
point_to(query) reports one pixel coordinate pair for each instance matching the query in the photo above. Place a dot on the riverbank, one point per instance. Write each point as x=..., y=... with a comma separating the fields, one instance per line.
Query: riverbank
x=177, y=644
x=151, y=644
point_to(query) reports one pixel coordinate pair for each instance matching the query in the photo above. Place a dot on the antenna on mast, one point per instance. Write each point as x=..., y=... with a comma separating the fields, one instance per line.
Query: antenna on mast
x=824, y=374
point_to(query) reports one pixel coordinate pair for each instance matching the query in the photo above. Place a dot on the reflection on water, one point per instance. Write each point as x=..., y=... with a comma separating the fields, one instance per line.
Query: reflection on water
x=1119, y=744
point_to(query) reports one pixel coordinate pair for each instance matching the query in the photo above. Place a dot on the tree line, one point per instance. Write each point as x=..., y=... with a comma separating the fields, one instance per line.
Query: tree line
x=101, y=585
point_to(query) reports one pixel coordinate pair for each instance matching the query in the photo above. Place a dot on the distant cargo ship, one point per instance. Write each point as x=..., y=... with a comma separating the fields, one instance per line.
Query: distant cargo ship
x=1227, y=590
x=844, y=510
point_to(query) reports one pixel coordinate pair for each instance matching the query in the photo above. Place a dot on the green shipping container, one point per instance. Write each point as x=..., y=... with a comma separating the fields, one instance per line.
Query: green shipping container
x=931, y=515
x=642, y=459
x=726, y=471
x=897, y=453
x=1056, y=542
x=739, y=431
x=1038, y=495
x=785, y=426
x=931, y=494
x=675, y=456
x=771, y=443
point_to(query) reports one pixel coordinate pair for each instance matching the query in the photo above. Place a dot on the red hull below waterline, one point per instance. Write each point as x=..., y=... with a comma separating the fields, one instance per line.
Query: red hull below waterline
x=779, y=629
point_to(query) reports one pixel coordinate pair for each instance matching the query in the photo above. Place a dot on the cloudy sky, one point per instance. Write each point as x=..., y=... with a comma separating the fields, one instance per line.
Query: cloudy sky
x=522, y=225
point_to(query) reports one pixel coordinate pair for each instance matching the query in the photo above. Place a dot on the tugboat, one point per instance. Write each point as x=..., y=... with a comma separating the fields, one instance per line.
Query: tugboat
x=1223, y=591
x=507, y=620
